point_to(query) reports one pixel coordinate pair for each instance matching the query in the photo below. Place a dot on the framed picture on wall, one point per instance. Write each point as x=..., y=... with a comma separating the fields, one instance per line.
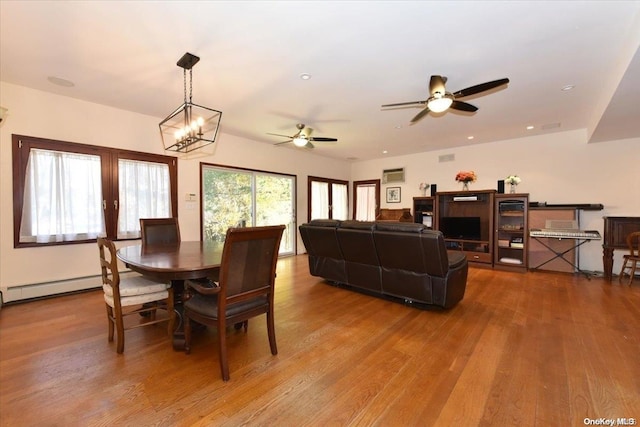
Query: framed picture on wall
x=393, y=195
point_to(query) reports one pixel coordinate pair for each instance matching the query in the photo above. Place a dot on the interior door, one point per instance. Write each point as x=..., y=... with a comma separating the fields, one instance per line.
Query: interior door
x=366, y=200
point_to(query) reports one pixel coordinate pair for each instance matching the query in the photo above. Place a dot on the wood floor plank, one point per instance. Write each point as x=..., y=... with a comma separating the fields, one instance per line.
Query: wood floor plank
x=539, y=349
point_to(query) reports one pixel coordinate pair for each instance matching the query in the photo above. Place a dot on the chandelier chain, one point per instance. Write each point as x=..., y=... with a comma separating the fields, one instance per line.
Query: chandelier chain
x=190, y=83
x=184, y=75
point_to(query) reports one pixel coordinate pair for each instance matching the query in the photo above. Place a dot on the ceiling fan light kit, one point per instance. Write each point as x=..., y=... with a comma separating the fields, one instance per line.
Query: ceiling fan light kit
x=300, y=141
x=440, y=100
x=190, y=126
x=439, y=104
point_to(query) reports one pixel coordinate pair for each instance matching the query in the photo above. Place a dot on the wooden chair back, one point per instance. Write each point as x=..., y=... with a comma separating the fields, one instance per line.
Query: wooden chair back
x=248, y=265
x=129, y=296
x=159, y=231
x=633, y=242
x=632, y=259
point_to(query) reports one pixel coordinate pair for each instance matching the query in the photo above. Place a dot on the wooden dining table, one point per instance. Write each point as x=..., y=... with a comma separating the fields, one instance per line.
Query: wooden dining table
x=180, y=261
x=175, y=263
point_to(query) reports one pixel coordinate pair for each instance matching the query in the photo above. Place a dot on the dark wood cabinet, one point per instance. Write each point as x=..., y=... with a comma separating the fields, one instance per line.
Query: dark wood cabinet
x=511, y=232
x=466, y=219
x=424, y=211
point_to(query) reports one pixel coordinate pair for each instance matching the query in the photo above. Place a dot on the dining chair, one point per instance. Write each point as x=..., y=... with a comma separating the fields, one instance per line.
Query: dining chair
x=631, y=260
x=125, y=296
x=244, y=289
x=159, y=231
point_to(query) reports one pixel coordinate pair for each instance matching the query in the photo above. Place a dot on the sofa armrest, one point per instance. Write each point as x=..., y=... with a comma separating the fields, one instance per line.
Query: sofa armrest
x=456, y=259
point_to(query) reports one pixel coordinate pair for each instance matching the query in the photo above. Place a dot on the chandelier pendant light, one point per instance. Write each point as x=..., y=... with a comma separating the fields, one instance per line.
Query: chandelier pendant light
x=190, y=126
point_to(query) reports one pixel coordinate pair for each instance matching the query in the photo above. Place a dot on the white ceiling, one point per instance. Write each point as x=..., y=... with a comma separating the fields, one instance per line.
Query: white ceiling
x=360, y=54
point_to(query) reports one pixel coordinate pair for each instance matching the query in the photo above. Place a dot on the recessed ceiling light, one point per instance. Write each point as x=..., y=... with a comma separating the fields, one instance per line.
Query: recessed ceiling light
x=384, y=151
x=398, y=127
x=305, y=76
x=60, y=82
x=568, y=87
x=470, y=137
x=529, y=127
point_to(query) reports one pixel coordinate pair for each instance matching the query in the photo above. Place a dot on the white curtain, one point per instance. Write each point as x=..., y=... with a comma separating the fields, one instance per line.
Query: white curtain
x=340, y=200
x=62, y=197
x=366, y=199
x=144, y=192
x=319, y=200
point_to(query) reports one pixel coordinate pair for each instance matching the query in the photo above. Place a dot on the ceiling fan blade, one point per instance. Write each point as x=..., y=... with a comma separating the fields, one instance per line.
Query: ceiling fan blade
x=420, y=115
x=480, y=88
x=277, y=134
x=404, y=103
x=309, y=145
x=283, y=142
x=463, y=106
x=322, y=139
x=436, y=84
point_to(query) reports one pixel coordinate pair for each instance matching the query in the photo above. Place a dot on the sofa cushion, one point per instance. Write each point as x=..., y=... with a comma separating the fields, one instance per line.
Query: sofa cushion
x=405, y=227
x=358, y=225
x=325, y=222
x=361, y=258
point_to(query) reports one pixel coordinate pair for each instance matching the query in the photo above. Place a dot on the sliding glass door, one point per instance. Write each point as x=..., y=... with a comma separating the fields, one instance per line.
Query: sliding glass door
x=245, y=198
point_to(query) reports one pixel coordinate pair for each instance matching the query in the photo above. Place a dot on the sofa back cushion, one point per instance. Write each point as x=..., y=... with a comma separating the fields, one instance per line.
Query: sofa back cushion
x=400, y=252
x=399, y=247
x=359, y=250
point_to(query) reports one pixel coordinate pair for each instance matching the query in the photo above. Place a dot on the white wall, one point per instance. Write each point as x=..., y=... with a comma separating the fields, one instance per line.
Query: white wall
x=41, y=114
x=555, y=168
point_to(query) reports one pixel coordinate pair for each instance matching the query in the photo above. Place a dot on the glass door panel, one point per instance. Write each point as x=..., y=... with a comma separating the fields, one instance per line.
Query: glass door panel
x=340, y=201
x=274, y=205
x=319, y=200
x=226, y=202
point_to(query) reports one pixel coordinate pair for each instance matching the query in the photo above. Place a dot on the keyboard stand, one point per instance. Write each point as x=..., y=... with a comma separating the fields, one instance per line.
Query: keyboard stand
x=560, y=255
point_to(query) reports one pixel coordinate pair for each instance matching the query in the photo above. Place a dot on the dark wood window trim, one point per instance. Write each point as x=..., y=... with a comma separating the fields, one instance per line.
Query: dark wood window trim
x=21, y=145
x=329, y=181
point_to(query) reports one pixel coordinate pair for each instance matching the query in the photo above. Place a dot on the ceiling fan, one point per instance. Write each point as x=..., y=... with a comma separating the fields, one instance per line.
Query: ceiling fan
x=440, y=100
x=303, y=138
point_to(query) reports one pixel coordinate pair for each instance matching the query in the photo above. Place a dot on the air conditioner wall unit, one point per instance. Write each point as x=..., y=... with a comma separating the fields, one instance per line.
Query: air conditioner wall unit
x=390, y=176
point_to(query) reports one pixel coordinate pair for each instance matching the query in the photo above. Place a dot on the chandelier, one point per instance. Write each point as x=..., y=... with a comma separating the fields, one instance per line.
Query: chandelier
x=190, y=126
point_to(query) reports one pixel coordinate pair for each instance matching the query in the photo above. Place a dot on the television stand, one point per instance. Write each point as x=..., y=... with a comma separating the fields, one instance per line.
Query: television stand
x=468, y=204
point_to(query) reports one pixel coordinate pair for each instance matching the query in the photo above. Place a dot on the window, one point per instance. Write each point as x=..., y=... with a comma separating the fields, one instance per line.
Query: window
x=328, y=198
x=70, y=193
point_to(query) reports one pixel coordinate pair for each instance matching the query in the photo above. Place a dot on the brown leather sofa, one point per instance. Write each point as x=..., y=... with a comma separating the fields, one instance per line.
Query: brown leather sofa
x=402, y=261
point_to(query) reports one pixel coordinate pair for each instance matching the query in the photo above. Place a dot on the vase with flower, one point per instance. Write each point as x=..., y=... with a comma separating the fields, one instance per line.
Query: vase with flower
x=423, y=187
x=465, y=177
x=513, y=181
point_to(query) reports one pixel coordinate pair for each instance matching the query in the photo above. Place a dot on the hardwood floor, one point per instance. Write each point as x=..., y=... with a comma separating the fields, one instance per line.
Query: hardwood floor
x=534, y=349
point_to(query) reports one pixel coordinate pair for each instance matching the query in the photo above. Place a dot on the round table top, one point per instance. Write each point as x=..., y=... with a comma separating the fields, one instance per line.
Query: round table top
x=184, y=260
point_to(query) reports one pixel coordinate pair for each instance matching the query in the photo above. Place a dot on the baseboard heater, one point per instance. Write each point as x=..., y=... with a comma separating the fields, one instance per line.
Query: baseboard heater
x=45, y=289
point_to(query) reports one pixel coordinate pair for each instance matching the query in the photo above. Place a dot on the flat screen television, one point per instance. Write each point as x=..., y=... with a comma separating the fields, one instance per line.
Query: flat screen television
x=461, y=227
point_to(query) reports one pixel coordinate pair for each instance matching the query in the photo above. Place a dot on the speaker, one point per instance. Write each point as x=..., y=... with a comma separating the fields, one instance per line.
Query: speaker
x=501, y=186
x=434, y=189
